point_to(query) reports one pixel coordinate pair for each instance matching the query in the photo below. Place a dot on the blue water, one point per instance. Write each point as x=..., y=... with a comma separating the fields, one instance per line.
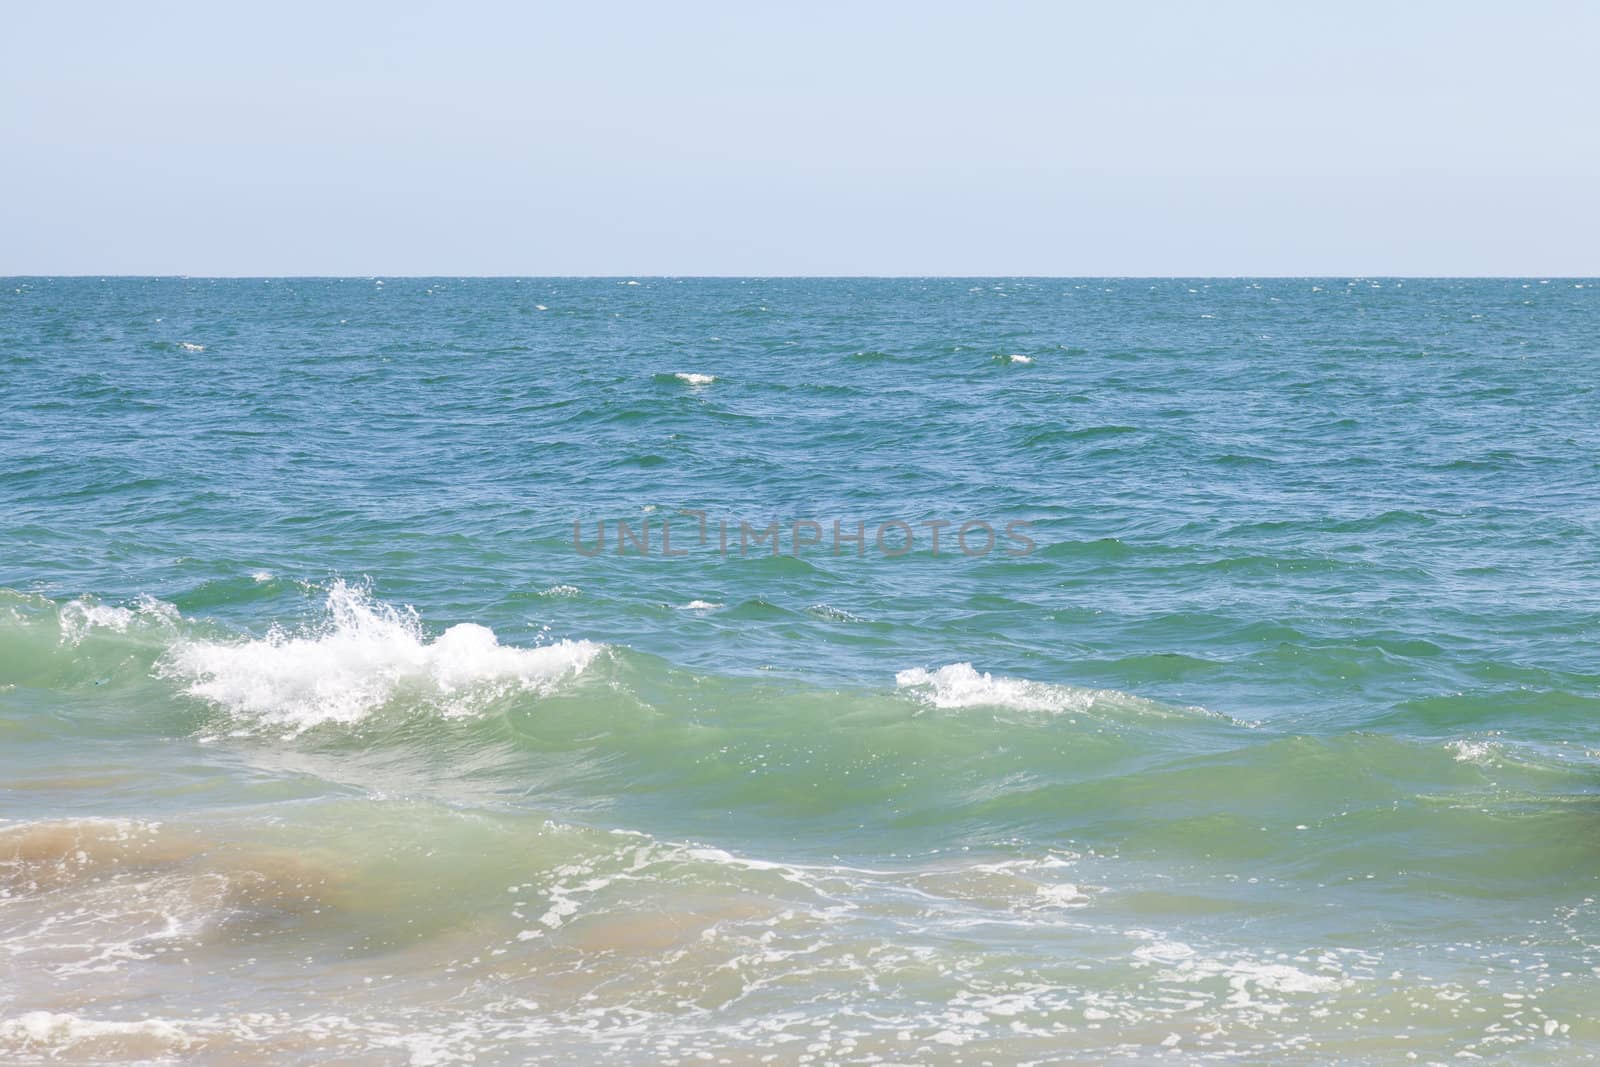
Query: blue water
x=1265, y=731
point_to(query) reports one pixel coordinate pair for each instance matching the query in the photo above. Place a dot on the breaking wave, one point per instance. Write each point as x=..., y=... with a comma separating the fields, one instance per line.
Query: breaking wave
x=364, y=656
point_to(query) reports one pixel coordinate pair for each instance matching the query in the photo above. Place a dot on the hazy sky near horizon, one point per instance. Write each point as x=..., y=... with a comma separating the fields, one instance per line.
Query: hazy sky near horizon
x=825, y=138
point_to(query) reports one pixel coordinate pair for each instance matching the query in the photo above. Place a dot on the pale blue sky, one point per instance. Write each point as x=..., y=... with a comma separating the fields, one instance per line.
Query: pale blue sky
x=816, y=138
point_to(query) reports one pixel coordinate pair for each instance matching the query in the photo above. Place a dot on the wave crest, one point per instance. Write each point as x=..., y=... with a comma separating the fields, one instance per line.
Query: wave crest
x=959, y=685
x=367, y=655
x=79, y=617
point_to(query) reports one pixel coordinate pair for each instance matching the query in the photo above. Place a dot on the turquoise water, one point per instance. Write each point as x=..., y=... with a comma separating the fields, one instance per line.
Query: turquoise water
x=1268, y=734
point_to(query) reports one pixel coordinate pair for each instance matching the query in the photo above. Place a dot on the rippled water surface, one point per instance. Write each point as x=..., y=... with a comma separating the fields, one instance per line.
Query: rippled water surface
x=1268, y=730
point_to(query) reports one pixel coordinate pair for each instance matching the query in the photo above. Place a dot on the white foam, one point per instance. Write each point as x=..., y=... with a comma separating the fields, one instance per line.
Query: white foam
x=366, y=655
x=1469, y=751
x=1249, y=980
x=59, y=1031
x=1063, y=895
x=82, y=616
x=700, y=605
x=958, y=685
x=1015, y=358
x=695, y=379
x=119, y=882
x=190, y=346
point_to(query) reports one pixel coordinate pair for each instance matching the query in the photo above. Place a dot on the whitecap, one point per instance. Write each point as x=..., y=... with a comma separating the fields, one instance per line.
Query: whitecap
x=958, y=685
x=699, y=605
x=1479, y=752
x=82, y=616
x=190, y=346
x=695, y=379
x=366, y=655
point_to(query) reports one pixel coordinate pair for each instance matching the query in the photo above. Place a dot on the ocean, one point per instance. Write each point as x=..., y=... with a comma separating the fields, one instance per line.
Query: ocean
x=499, y=671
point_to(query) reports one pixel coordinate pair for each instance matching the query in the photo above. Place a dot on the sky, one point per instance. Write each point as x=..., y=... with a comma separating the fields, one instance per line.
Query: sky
x=1003, y=138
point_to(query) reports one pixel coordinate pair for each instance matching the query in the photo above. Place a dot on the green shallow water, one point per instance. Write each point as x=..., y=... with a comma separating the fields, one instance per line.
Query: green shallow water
x=321, y=739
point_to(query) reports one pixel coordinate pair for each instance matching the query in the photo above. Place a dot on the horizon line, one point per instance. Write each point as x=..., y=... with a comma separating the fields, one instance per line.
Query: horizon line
x=793, y=277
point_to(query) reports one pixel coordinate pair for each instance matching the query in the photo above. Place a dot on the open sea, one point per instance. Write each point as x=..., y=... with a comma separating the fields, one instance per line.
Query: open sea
x=450, y=671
